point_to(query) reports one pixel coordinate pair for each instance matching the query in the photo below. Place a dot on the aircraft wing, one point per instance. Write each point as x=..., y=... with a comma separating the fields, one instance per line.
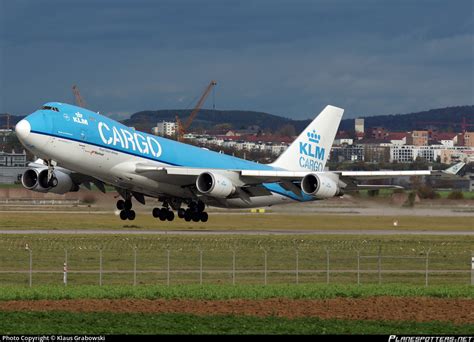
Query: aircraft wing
x=183, y=175
x=249, y=182
x=277, y=175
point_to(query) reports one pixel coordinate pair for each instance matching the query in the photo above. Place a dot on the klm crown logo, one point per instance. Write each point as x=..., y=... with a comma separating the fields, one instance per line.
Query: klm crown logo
x=311, y=154
x=313, y=137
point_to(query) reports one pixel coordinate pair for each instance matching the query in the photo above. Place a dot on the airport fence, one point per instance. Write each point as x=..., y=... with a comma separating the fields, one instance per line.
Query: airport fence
x=136, y=266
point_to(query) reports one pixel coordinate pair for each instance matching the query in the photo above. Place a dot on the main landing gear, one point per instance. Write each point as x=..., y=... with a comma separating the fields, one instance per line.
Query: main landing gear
x=194, y=212
x=163, y=214
x=125, y=207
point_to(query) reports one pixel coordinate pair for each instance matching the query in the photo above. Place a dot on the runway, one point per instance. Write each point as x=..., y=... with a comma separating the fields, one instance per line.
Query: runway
x=346, y=211
x=381, y=232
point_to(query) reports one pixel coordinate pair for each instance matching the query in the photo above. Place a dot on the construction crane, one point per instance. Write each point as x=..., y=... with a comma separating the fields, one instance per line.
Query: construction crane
x=8, y=120
x=181, y=128
x=463, y=124
x=77, y=97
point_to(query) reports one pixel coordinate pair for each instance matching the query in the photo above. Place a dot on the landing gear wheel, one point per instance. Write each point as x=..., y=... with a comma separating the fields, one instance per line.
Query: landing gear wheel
x=124, y=215
x=204, y=217
x=163, y=214
x=201, y=206
x=131, y=215
x=120, y=204
x=181, y=212
x=196, y=217
x=188, y=215
x=156, y=212
x=170, y=215
x=128, y=204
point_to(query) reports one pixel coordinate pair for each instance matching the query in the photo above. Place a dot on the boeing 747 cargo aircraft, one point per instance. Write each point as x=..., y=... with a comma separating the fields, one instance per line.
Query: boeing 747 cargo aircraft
x=80, y=147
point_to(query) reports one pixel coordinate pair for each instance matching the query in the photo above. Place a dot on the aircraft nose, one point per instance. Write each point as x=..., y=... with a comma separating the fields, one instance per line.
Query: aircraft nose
x=23, y=129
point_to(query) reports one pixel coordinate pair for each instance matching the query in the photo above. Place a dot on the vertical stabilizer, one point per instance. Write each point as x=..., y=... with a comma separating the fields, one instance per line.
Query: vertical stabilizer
x=310, y=151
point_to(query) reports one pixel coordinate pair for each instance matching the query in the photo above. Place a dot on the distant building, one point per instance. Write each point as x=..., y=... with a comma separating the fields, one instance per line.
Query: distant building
x=376, y=153
x=343, y=141
x=451, y=156
x=403, y=154
x=436, y=136
x=397, y=138
x=469, y=139
x=165, y=128
x=5, y=133
x=359, y=126
x=12, y=166
x=447, y=143
x=432, y=153
x=13, y=159
x=417, y=138
x=347, y=153
x=379, y=133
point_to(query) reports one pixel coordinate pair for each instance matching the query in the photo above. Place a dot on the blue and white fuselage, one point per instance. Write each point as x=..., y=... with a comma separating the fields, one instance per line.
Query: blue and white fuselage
x=92, y=144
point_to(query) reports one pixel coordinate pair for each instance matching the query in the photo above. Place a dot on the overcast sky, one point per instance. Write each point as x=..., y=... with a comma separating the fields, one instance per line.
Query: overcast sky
x=288, y=58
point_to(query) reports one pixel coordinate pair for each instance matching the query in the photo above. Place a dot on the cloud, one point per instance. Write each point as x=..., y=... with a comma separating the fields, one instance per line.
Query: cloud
x=288, y=58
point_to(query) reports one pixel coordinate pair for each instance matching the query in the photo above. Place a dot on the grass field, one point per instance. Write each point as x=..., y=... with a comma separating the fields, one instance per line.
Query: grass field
x=230, y=221
x=277, y=261
x=223, y=292
x=117, y=323
x=288, y=259
x=403, y=259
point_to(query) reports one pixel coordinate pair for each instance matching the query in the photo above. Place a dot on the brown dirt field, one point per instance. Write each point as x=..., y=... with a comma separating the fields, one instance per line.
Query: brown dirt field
x=420, y=309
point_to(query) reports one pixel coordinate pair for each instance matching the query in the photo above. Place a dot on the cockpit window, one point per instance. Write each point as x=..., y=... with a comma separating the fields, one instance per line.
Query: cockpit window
x=54, y=109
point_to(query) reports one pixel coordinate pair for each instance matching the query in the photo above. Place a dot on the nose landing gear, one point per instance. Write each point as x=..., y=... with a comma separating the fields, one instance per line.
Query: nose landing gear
x=52, y=181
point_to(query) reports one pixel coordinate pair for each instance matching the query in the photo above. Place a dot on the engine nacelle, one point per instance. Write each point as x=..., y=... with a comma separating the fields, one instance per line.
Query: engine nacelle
x=36, y=179
x=29, y=179
x=319, y=186
x=215, y=185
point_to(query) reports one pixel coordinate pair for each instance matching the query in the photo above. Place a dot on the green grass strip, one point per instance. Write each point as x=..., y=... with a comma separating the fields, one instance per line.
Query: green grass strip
x=120, y=323
x=311, y=291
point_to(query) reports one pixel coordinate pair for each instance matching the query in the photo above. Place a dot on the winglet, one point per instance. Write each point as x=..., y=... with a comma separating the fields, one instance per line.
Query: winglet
x=455, y=169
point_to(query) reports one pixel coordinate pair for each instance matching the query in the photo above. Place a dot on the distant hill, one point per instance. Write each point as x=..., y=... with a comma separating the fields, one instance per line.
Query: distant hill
x=446, y=119
x=206, y=118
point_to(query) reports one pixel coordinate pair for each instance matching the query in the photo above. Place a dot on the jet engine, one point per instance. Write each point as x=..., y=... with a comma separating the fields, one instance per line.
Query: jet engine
x=319, y=186
x=36, y=179
x=215, y=185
